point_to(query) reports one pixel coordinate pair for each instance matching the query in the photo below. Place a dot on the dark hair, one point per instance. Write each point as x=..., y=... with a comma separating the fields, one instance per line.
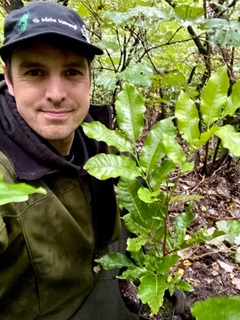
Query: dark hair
x=8, y=67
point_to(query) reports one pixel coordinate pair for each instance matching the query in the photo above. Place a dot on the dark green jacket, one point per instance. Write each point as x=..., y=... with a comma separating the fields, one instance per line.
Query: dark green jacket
x=48, y=243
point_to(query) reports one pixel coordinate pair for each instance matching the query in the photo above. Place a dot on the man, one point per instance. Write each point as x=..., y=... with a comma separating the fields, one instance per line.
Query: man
x=48, y=244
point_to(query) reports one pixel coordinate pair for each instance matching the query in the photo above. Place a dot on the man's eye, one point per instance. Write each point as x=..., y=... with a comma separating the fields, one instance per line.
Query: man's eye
x=73, y=72
x=34, y=72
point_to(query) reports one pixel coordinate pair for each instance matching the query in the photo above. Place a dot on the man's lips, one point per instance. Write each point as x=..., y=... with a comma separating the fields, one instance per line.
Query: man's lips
x=55, y=114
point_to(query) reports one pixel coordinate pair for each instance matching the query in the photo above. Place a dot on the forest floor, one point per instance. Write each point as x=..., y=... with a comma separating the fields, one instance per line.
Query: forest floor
x=210, y=269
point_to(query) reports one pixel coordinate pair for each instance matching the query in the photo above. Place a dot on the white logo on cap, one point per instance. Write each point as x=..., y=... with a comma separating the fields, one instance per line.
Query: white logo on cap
x=51, y=20
x=36, y=20
x=85, y=33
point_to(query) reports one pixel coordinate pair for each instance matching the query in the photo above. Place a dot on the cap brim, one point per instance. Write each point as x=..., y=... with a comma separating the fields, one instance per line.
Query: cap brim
x=82, y=46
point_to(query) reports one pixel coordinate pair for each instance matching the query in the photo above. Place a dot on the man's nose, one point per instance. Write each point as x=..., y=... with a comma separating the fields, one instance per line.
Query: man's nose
x=56, y=89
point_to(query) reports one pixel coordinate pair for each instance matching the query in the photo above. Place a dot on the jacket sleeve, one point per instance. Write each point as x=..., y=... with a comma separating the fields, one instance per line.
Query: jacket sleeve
x=3, y=236
x=7, y=175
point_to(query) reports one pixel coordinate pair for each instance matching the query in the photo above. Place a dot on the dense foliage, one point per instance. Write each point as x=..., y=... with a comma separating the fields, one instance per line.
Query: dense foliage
x=163, y=48
x=148, y=180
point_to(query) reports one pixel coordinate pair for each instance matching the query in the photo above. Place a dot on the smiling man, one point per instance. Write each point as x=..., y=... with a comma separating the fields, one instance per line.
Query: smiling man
x=51, y=85
x=48, y=244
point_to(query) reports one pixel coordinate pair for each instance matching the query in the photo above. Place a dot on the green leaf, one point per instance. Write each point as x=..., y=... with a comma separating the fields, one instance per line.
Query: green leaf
x=148, y=12
x=218, y=308
x=222, y=32
x=127, y=192
x=151, y=291
x=181, y=224
x=153, y=148
x=151, y=12
x=175, y=152
x=152, y=151
x=16, y=192
x=132, y=274
x=135, y=224
x=183, y=285
x=167, y=126
x=166, y=263
x=214, y=96
x=205, y=136
x=105, y=166
x=231, y=230
x=137, y=74
x=98, y=131
x=148, y=196
x=130, y=110
x=142, y=216
x=199, y=237
x=135, y=244
x=161, y=173
x=103, y=79
x=187, y=12
x=230, y=139
x=188, y=119
x=114, y=260
x=233, y=101
x=109, y=45
x=174, y=79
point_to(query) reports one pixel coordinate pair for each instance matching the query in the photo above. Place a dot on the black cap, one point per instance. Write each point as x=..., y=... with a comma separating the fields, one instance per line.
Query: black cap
x=46, y=18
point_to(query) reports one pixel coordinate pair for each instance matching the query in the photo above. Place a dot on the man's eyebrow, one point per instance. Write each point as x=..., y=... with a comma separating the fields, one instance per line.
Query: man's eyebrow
x=30, y=64
x=76, y=64
x=72, y=64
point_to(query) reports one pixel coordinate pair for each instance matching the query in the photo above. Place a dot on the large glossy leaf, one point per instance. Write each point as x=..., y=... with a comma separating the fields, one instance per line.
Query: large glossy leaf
x=16, y=192
x=114, y=138
x=142, y=216
x=105, y=166
x=230, y=139
x=151, y=291
x=130, y=111
x=214, y=96
x=218, y=308
x=127, y=192
x=164, y=264
x=161, y=173
x=233, y=101
x=135, y=224
x=153, y=148
x=175, y=152
x=188, y=119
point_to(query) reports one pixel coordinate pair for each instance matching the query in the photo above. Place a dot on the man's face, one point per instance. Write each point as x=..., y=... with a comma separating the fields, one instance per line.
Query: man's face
x=51, y=86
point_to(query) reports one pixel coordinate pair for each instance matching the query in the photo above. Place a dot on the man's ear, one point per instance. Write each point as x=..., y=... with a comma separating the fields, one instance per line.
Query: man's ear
x=8, y=82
